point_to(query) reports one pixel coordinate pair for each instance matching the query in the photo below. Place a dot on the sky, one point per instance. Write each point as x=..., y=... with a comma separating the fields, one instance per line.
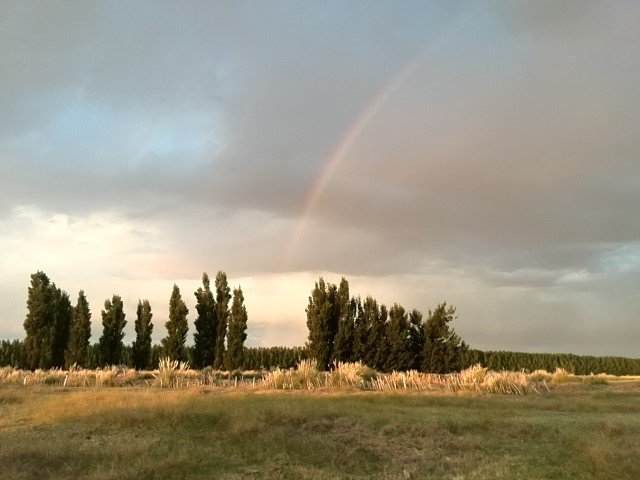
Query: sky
x=482, y=153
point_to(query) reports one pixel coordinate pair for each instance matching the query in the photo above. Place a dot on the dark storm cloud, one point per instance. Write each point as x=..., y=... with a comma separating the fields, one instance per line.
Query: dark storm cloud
x=92, y=89
x=526, y=156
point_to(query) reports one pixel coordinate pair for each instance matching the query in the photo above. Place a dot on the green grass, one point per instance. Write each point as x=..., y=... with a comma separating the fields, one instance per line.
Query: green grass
x=574, y=431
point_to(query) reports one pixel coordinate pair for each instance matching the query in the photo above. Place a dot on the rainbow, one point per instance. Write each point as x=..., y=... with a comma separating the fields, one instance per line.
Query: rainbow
x=355, y=130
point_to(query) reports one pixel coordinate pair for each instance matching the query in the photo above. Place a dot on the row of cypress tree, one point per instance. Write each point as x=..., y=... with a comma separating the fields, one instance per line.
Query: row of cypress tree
x=57, y=334
x=349, y=329
x=265, y=358
x=341, y=328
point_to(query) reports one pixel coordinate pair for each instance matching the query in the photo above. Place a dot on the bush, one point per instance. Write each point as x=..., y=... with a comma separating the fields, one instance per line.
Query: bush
x=562, y=376
x=595, y=380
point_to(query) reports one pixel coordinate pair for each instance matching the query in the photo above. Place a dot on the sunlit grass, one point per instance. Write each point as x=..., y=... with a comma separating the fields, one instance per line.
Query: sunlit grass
x=575, y=430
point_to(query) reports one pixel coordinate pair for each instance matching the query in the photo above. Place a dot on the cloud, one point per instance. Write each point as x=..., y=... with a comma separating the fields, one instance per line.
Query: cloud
x=148, y=144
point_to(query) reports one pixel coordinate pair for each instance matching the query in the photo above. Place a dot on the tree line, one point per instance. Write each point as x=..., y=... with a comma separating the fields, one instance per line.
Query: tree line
x=265, y=358
x=12, y=354
x=344, y=328
x=349, y=329
x=58, y=334
x=340, y=328
x=576, y=364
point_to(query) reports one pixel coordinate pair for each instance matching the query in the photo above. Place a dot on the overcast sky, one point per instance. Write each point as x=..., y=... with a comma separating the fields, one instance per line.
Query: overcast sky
x=483, y=153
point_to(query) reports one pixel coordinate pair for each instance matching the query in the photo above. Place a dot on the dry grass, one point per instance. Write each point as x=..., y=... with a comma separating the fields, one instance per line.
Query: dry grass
x=473, y=379
x=307, y=376
x=170, y=374
x=574, y=431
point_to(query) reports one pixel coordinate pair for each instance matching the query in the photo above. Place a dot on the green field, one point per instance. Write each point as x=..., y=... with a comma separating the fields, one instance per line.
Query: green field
x=574, y=431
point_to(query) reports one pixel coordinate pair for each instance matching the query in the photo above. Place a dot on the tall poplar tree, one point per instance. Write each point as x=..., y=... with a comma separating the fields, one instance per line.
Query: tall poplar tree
x=371, y=335
x=113, y=323
x=237, y=331
x=398, y=336
x=443, y=348
x=416, y=335
x=378, y=342
x=39, y=322
x=141, y=348
x=223, y=296
x=343, y=344
x=62, y=320
x=204, y=337
x=80, y=333
x=360, y=333
x=322, y=322
x=177, y=327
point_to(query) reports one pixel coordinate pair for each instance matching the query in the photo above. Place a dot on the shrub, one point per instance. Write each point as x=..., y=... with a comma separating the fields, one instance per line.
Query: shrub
x=540, y=376
x=562, y=376
x=595, y=380
x=351, y=374
x=172, y=373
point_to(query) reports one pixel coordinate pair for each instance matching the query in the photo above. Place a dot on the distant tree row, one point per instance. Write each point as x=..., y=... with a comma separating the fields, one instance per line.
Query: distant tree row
x=57, y=334
x=266, y=358
x=577, y=364
x=288, y=357
x=12, y=354
x=348, y=329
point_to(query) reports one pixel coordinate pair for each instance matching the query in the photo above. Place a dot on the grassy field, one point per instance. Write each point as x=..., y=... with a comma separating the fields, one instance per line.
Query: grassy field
x=573, y=431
